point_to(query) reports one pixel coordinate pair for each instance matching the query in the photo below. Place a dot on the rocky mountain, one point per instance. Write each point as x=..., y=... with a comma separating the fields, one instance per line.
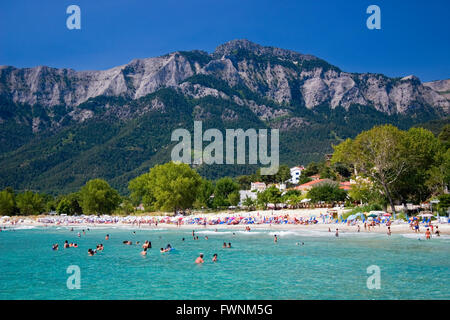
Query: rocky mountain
x=441, y=86
x=46, y=113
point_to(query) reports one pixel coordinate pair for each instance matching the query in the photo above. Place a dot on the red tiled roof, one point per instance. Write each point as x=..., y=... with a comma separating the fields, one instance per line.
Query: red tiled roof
x=342, y=185
x=309, y=183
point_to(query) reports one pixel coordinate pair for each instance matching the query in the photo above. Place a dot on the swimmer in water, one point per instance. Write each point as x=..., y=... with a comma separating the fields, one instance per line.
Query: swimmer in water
x=144, y=252
x=224, y=245
x=107, y=237
x=199, y=259
x=55, y=246
x=79, y=235
x=206, y=237
x=214, y=258
x=337, y=233
x=66, y=244
x=275, y=238
x=229, y=245
x=91, y=252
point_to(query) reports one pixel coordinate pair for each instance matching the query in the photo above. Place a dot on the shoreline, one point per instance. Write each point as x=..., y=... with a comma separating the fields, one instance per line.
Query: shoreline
x=396, y=229
x=132, y=222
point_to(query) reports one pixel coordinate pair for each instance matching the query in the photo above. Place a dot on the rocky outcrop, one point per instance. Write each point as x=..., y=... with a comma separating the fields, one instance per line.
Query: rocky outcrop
x=278, y=75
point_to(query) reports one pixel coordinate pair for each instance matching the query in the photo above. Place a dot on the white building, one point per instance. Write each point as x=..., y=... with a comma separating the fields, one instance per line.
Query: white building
x=258, y=186
x=296, y=173
x=246, y=193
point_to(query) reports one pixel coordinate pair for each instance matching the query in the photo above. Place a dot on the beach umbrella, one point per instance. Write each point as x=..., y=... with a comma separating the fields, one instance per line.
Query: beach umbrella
x=426, y=215
x=387, y=214
x=372, y=215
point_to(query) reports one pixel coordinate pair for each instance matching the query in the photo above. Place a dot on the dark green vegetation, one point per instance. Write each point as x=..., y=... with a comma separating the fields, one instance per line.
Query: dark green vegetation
x=394, y=166
x=60, y=160
x=58, y=149
x=390, y=166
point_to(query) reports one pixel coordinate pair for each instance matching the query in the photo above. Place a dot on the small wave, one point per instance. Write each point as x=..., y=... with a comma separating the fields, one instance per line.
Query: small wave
x=422, y=236
x=19, y=228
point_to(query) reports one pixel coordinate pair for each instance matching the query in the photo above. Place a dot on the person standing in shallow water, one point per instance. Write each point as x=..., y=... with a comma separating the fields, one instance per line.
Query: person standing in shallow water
x=337, y=233
x=428, y=234
x=275, y=238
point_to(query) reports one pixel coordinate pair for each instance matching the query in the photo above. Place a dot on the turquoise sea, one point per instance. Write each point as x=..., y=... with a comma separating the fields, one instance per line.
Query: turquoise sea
x=325, y=267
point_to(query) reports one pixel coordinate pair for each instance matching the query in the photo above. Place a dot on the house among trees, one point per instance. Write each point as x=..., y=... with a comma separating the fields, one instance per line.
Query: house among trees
x=296, y=172
x=258, y=186
x=320, y=182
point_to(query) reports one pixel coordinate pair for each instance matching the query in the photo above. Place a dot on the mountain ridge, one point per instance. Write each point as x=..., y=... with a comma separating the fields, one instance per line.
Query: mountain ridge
x=61, y=127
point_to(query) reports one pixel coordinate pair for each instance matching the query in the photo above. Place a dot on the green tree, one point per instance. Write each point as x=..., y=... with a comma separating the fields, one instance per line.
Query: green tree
x=7, y=203
x=224, y=188
x=70, y=204
x=380, y=154
x=311, y=169
x=366, y=192
x=444, y=136
x=141, y=191
x=97, y=197
x=292, y=197
x=327, y=192
x=249, y=203
x=205, y=191
x=234, y=198
x=168, y=187
x=126, y=207
x=423, y=149
x=283, y=174
x=439, y=174
x=327, y=173
x=30, y=203
x=270, y=195
x=444, y=202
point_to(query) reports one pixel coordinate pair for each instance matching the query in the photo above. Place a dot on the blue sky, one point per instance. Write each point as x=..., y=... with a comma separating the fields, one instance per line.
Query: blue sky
x=414, y=38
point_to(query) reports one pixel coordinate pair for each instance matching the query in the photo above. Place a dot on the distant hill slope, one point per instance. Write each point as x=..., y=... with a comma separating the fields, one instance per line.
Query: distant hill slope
x=60, y=127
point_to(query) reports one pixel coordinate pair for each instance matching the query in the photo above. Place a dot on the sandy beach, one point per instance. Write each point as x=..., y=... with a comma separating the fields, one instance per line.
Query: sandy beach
x=397, y=226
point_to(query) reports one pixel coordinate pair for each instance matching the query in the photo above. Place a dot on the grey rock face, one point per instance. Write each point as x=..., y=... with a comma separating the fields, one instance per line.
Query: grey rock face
x=441, y=86
x=271, y=73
